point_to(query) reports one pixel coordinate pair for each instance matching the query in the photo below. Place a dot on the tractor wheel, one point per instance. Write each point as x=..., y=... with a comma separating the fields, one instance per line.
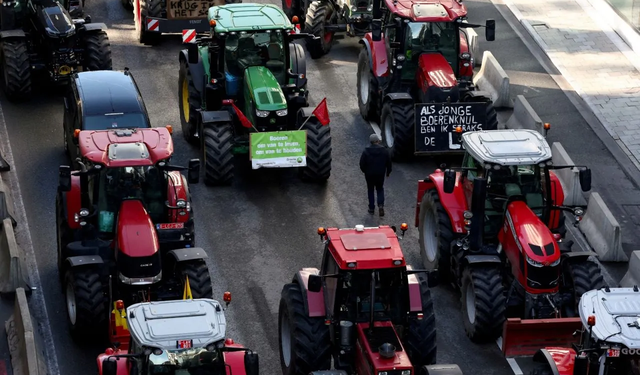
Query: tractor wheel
x=87, y=304
x=541, y=370
x=421, y=341
x=318, y=167
x=580, y=276
x=16, y=68
x=397, y=127
x=368, y=100
x=217, y=153
x=304, y=342
x=483, y=303
x=97, y=51
x=435, y=235
x=199, y=278
x=492, y=118
x=318, y=16
x=190, y=101
x=143, y=9
x=64, y=235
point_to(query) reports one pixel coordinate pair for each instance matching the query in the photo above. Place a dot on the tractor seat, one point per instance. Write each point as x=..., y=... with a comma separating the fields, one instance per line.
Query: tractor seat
x=275, y=63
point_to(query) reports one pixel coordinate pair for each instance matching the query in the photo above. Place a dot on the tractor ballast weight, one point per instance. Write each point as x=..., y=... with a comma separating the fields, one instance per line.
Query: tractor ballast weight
x=239, y=86
x=43, y=36
x=415, y=78
x=499, y=232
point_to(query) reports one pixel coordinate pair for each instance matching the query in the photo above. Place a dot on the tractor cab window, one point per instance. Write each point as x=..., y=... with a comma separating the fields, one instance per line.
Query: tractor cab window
x=472, y=167
x=429, y=37
x=116, y=120
x=264, y=48
x=523, y=180
x=183, y=361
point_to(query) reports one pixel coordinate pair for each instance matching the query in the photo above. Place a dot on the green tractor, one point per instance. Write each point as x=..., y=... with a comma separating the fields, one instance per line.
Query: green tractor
x=243, y=91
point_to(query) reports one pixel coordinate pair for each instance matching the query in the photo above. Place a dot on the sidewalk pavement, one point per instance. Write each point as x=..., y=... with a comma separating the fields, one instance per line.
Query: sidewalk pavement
x=599, y=65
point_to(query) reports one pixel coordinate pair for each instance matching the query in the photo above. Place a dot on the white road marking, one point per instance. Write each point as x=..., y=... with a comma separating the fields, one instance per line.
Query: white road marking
x=376, y=128
x=514, y=366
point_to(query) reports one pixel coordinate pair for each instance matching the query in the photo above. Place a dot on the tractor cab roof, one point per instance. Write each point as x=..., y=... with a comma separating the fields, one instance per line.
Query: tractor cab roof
x=177, y=324
x=428, y=10
x=365, y=248
x=617, y=315
x=126, y=147
x=248, y=17
x=108, y=91
x=507, y=147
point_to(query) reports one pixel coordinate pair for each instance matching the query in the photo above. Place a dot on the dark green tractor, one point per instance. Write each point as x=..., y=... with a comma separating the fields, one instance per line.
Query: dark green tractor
x=243, y=91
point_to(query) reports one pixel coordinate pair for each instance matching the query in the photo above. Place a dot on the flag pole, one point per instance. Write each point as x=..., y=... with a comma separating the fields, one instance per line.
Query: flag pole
x=305, y=121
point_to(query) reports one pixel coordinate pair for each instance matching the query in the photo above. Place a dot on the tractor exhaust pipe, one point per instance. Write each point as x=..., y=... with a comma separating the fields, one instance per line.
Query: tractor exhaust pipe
x=478, y=197
x=372, y=305
x=376, y=22
x=346, y=329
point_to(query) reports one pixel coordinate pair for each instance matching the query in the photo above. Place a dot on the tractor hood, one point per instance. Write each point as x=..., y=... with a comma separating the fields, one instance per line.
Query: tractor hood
x=56, y=21
x=437, y=71
x=265, y=89
x=532, y=236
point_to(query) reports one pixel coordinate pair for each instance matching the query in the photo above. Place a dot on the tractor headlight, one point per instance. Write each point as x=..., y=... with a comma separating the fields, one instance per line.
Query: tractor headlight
x=369, y=9
x=181, y=203
x=555, y=263
x=406, y=372
x=354, y=8
x=534, y=263
x=260, y=113
x=282, y=112
x=465, y=56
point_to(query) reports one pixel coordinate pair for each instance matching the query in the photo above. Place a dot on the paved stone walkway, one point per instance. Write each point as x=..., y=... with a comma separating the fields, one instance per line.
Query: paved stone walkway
x=593, y=59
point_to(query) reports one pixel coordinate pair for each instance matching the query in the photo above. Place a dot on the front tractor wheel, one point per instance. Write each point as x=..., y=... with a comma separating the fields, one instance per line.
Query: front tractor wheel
x=87, y=303
x=189, y=102
x=304, y=341
x=483, y=303
x=318, y=167
x=580, y=276
x=218, y=154
x=397, y=129
x=16, y=69
x=97, y=51
x=199, y=278
x=368, y=98
x=421, y=341
x=318, y=16
x=435, y=235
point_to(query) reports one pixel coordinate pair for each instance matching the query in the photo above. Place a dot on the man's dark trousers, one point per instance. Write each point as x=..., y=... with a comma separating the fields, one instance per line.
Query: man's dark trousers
x=375, y=182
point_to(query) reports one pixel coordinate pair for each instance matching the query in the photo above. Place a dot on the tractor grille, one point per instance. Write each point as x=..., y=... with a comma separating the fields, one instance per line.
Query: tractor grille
x=543, y=277
x=382, y=335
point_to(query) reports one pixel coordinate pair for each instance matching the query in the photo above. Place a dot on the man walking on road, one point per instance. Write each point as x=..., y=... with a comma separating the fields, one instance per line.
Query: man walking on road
x=375, y=163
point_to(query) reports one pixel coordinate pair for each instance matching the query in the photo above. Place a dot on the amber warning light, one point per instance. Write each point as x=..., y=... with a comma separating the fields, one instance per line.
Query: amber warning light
x=227, y=297
x=295, y=19
x=458, y=129
x=591, y=320
x=404, y=227
x=322, y=231
x=547, y=126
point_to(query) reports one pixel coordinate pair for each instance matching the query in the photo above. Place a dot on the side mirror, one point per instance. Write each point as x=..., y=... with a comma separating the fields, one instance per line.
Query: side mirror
x=449, y=180
x=585, y=179
x=64, y=183
x=315, y=283
x=376, y=30
x=192, y=50
x=251, y=363
x=109, y=367
x=194, y=171
x=490, y=30
x=432, y=278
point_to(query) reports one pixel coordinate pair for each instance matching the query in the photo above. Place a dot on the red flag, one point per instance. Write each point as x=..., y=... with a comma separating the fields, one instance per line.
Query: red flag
x=243, y=119
x=322, y=113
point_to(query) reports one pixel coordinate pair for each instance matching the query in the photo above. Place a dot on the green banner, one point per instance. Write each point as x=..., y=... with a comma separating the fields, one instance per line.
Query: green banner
x=283, y=149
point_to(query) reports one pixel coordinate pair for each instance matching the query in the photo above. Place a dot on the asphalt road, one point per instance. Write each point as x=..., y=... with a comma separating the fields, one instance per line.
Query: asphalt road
x=259, y=231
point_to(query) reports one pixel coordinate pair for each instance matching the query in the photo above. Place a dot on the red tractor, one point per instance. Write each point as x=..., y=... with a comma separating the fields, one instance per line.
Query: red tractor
x=415, y=79
x=365, y=307
x=494, y=231
x=178, y=337
x=125, y=227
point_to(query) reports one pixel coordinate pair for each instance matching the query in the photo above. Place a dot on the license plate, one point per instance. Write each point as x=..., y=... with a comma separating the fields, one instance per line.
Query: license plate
x=170, y=226
x=184, y=344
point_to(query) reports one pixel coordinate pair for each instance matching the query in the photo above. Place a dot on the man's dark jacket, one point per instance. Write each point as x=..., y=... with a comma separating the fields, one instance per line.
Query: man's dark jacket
x=375, y=161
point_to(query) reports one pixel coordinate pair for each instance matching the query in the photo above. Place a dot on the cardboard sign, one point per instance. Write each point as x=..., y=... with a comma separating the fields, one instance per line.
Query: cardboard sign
x=436, y=124
x=190, y=9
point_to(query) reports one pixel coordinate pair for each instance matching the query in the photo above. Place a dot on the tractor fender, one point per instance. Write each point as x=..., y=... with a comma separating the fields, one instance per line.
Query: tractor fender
x=478, y=259
x=415, y=295
x=398, y=96
x=84, y=260
x=455, y=204
x=95, y=26
x=577, y=255
x=12, y=34
x=177, y=188
x=189, y=253
x=478, y=96
x=212, y=117
x=313, y=302
x=377, y=55
x=72, y=203
x=305, y=112
x=298, y=63
x=122, y=364
x=235, y=360
x=197, y=70
x=557, y=196
x=560, y=360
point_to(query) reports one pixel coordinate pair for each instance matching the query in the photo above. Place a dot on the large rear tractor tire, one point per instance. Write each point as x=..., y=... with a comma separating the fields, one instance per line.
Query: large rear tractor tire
x=97, y=51
x=435, y=235
x=318, y=167
x=581, y=276
x=421, y=342
x=304, y=342
x=397, y=124
x=368, y=100
x=541, y=370
x=492, y=118
x=190, y=101
x=64, y=235
x=483, y=303
x=199, y=278
x=218, y=155
x=16, y=69
x=87, y=303
x=318, y=16
x=147, y=8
